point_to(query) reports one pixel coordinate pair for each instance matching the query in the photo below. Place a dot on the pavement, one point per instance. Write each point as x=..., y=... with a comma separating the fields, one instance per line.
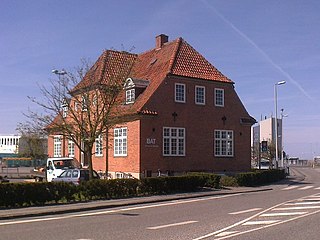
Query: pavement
x=14, y=213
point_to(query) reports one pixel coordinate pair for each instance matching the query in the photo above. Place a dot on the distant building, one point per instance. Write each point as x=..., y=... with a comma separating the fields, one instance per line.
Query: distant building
x=265, y=131
x=9, y=144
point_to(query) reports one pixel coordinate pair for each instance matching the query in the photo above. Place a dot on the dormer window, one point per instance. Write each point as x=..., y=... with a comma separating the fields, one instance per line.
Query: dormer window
x=65, y=108
x=133, y=88
x=130, y=95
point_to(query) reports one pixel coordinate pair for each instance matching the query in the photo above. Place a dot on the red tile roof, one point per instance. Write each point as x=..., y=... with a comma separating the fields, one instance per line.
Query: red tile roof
x=175, y=58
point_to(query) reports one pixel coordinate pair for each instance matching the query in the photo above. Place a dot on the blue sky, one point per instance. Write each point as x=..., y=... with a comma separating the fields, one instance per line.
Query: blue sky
x=254, y=43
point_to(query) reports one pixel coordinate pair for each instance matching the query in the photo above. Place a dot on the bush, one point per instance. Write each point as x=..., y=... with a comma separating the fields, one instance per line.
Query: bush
x=228, y=181
x=31, y=194
x=257, y=178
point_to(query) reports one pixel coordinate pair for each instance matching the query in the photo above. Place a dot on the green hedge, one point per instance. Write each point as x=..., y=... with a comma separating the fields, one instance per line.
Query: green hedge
x=33, y=194
x=257, y=178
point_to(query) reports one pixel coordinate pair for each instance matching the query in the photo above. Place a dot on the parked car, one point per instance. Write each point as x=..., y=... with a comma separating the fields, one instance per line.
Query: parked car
x=75, y=176
x=264, y=165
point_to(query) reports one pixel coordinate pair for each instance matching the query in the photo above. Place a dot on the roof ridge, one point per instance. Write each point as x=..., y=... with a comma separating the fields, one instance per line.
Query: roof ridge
x=175, y=53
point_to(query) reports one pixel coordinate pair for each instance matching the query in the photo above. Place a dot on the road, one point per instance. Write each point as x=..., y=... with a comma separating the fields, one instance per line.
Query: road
x=286, y=212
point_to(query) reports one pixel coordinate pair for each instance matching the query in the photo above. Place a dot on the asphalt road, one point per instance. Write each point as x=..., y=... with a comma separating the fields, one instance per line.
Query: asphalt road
x=287, y=212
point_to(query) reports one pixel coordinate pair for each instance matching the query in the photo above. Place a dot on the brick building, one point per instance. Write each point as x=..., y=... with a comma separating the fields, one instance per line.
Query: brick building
x=191, y=118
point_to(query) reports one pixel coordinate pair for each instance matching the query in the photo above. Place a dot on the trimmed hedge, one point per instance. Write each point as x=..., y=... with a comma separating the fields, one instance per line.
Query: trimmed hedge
x=257, y=178
x=32, y=194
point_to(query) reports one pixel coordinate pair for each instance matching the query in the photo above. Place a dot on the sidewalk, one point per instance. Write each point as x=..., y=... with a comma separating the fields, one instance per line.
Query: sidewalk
x=104, y=204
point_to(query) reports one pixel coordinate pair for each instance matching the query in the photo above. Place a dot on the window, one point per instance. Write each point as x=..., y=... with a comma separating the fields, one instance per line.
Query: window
x=64, y=111
x=120, y=142
x=223, y=146
x=200, y=97
x=71, y=148
x=84, y=103
x=219, y=97
x=173, y=141
x=130, y=95
x=180, y=93
x=57, y=143
x=99, y=146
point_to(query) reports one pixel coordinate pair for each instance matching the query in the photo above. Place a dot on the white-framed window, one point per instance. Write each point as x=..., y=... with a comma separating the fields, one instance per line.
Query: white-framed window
x=223, y=143
x=120, y=142
x=99, y=146
x=84, y=102
x=180, y=92
x=174, y=141
x=219, y=97
x=130, y=95
x=71, y=148
x=65, y=111
x=200, y=95
x=57, y=146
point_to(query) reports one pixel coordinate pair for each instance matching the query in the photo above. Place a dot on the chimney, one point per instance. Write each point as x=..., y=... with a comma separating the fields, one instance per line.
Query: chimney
x=160, y=40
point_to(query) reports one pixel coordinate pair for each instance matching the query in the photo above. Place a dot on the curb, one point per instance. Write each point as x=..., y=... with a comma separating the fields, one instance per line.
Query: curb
x=105, y=204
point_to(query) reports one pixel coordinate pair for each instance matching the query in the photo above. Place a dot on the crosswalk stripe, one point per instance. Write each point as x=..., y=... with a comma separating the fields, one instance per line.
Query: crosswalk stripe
x=290, y=187
x=282, y=214
x=245, y=211
x=310, y=199
x=306, y=187
x=260, y=222
x=302, y=203
x=223, y=234
x=295, y=208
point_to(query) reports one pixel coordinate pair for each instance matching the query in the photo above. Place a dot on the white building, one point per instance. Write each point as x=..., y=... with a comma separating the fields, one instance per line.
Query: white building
x=265, y=131
x=9, y=144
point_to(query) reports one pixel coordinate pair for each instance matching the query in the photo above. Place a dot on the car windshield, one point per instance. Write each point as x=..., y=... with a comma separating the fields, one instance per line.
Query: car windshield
x=61, y=164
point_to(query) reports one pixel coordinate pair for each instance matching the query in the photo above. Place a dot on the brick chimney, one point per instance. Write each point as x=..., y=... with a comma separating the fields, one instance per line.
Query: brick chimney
x=160, y=40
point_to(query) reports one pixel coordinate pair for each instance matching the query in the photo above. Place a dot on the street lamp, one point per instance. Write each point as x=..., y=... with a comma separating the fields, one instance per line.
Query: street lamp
x=276, y=115
x=282, y=116
x=59, y=73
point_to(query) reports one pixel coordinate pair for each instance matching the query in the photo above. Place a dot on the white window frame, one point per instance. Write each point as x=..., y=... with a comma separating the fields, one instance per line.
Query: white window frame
x=174, y=141
x=180, y=97
x=71, y=147
x=130, y=95
x=120, y=142
x=57, y=146
x=223, y=143
x=200, y=97
x=99, y=146
x=84, y=102
x=219, y=97
x=65, y=109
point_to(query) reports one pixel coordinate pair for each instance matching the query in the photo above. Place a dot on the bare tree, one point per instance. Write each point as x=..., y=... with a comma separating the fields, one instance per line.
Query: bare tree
x=84, y=104
x=33, y=141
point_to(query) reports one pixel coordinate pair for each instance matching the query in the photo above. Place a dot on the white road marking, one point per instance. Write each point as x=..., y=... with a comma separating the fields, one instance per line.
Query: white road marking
x=282, y=214
x=290, y=187
x=309, y=199
x=117, y=210
x=245, y=211
x=302, y=203
x=260, y=222
x=171, y=225
x=223, y=234
x=255, y=229
x=305, y=188
x=318, y=188
x=295, y=208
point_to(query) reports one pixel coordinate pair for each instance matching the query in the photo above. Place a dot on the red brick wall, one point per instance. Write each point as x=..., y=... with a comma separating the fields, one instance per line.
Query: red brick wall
x=200, y=123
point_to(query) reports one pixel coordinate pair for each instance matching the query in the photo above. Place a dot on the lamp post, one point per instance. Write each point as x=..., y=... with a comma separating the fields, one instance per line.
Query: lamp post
x=59, y=73
x=276, y=115
x=282, y=116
